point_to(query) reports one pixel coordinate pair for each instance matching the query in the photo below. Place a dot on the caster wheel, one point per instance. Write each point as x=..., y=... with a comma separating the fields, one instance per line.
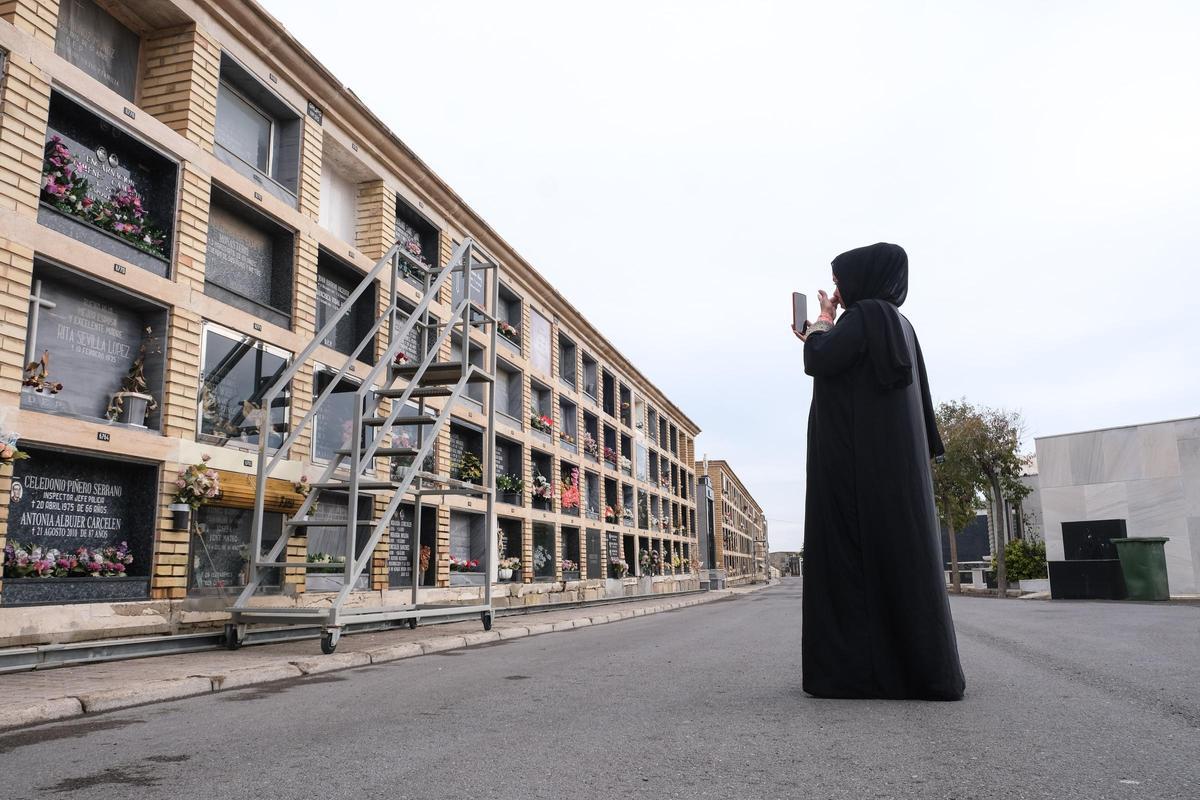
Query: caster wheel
x=412, y=624
x=328, y=642
x=487, y=620
x=231, y=637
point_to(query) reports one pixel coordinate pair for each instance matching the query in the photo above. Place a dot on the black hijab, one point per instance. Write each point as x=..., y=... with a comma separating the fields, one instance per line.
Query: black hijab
x=874, y=279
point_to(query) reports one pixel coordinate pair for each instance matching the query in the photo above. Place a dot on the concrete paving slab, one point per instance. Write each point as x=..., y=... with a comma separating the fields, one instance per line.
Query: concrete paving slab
x=42, y=696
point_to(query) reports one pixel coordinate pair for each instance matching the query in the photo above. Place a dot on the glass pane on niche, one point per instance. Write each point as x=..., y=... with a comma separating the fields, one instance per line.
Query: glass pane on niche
x=242, y=129
x=540, y=334
x=331, y=428
x=221, y=544
x=237, y=371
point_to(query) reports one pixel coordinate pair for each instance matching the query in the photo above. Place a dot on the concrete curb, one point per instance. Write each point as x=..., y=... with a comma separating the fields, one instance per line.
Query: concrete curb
x=52, y=710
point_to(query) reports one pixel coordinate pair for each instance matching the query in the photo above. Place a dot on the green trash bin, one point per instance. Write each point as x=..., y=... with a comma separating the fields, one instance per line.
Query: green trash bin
x=1144, y=566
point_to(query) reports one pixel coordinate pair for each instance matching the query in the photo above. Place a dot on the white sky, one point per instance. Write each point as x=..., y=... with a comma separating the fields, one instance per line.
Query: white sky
x=677, y=169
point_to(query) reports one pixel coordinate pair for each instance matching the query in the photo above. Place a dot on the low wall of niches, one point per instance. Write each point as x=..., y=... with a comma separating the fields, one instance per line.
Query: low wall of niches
x=63, y=624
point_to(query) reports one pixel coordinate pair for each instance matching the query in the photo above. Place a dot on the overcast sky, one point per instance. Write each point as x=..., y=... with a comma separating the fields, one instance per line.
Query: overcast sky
x=678, y=169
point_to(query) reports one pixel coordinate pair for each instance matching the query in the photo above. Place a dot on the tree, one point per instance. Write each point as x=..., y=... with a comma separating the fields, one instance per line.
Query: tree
x=957, y=480
x=998, y=458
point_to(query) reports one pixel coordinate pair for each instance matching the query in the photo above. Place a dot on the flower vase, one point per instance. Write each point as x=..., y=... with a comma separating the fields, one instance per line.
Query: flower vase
x=134, y=407
x=180, y=514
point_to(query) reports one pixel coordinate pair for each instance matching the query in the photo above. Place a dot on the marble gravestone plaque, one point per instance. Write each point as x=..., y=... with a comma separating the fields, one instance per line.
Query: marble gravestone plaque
x=1091, y=540
x=332, y=292
x=478, y=285
x=240, y=256
x=594, y=570
x=400, y=541
x=67, y=500
x=112, y=161
x=400, y=533
x=613, y=545
x=458, y=446
x=93, y=40
x=221, y=552
x=92, y=341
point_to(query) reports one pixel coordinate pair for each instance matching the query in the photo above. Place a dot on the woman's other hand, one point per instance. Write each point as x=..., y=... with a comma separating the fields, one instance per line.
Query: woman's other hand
x=802, y=337
x=829, y=305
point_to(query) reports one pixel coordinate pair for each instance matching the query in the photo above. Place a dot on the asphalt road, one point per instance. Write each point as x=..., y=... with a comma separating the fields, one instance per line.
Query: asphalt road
x=1064, y=700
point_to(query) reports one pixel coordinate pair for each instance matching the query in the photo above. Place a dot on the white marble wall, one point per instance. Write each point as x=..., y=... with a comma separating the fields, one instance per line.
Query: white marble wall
x=1148, y=475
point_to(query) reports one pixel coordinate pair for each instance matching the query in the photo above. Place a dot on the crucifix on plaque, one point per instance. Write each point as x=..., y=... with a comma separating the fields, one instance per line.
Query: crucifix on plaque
x=36, y=304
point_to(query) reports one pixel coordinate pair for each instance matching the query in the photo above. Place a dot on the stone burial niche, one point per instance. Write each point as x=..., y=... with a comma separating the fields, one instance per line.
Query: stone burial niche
x=336, y=281
x=99, y=44
x=96, y=352
x=400, y=541
x=106, y=188
x=257, y=134
x=249, y=260
x=80, y=529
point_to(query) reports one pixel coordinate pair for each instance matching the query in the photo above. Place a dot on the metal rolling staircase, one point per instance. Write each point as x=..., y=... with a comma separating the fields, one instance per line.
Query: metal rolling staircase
x=391, y=397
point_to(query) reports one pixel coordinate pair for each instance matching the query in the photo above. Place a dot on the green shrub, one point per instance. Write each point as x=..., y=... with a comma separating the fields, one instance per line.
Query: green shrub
x=1023, y=560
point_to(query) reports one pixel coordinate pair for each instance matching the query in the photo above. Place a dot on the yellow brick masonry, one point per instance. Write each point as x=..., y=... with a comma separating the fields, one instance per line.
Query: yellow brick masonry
x=16, y=278
x=179, y=86
x=39, y=18
x=376, y=227
x=25, y=110
x=23, y=116
x=310, y=169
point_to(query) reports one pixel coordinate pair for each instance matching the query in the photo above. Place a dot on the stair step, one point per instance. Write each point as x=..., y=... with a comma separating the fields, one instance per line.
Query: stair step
x=324, y=565
x=363, y=486
x=420, y=391
x=384, y=451
x=325, y=523
x=401, y=420
x=439, y=372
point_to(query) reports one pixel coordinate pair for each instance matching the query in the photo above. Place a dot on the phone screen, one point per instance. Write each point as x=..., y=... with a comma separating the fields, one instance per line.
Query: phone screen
x=799, y=311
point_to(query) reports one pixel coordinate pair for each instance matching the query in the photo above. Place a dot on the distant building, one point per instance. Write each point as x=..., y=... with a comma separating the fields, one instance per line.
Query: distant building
x=786, y=561
x=735, y=539
x=1144, y=479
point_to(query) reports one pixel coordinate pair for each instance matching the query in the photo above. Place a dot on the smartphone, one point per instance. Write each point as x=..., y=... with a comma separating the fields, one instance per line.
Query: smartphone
x=799, y=311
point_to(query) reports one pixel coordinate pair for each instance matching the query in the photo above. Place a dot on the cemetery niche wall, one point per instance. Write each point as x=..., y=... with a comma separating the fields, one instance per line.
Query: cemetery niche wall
x=249, y=260
x=105, y=188
x=99, y=44
x=80, y=529
x=94, y=348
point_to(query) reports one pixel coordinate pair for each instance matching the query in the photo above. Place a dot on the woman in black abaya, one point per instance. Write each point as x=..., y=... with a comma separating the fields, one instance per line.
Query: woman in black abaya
x=876, y=616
